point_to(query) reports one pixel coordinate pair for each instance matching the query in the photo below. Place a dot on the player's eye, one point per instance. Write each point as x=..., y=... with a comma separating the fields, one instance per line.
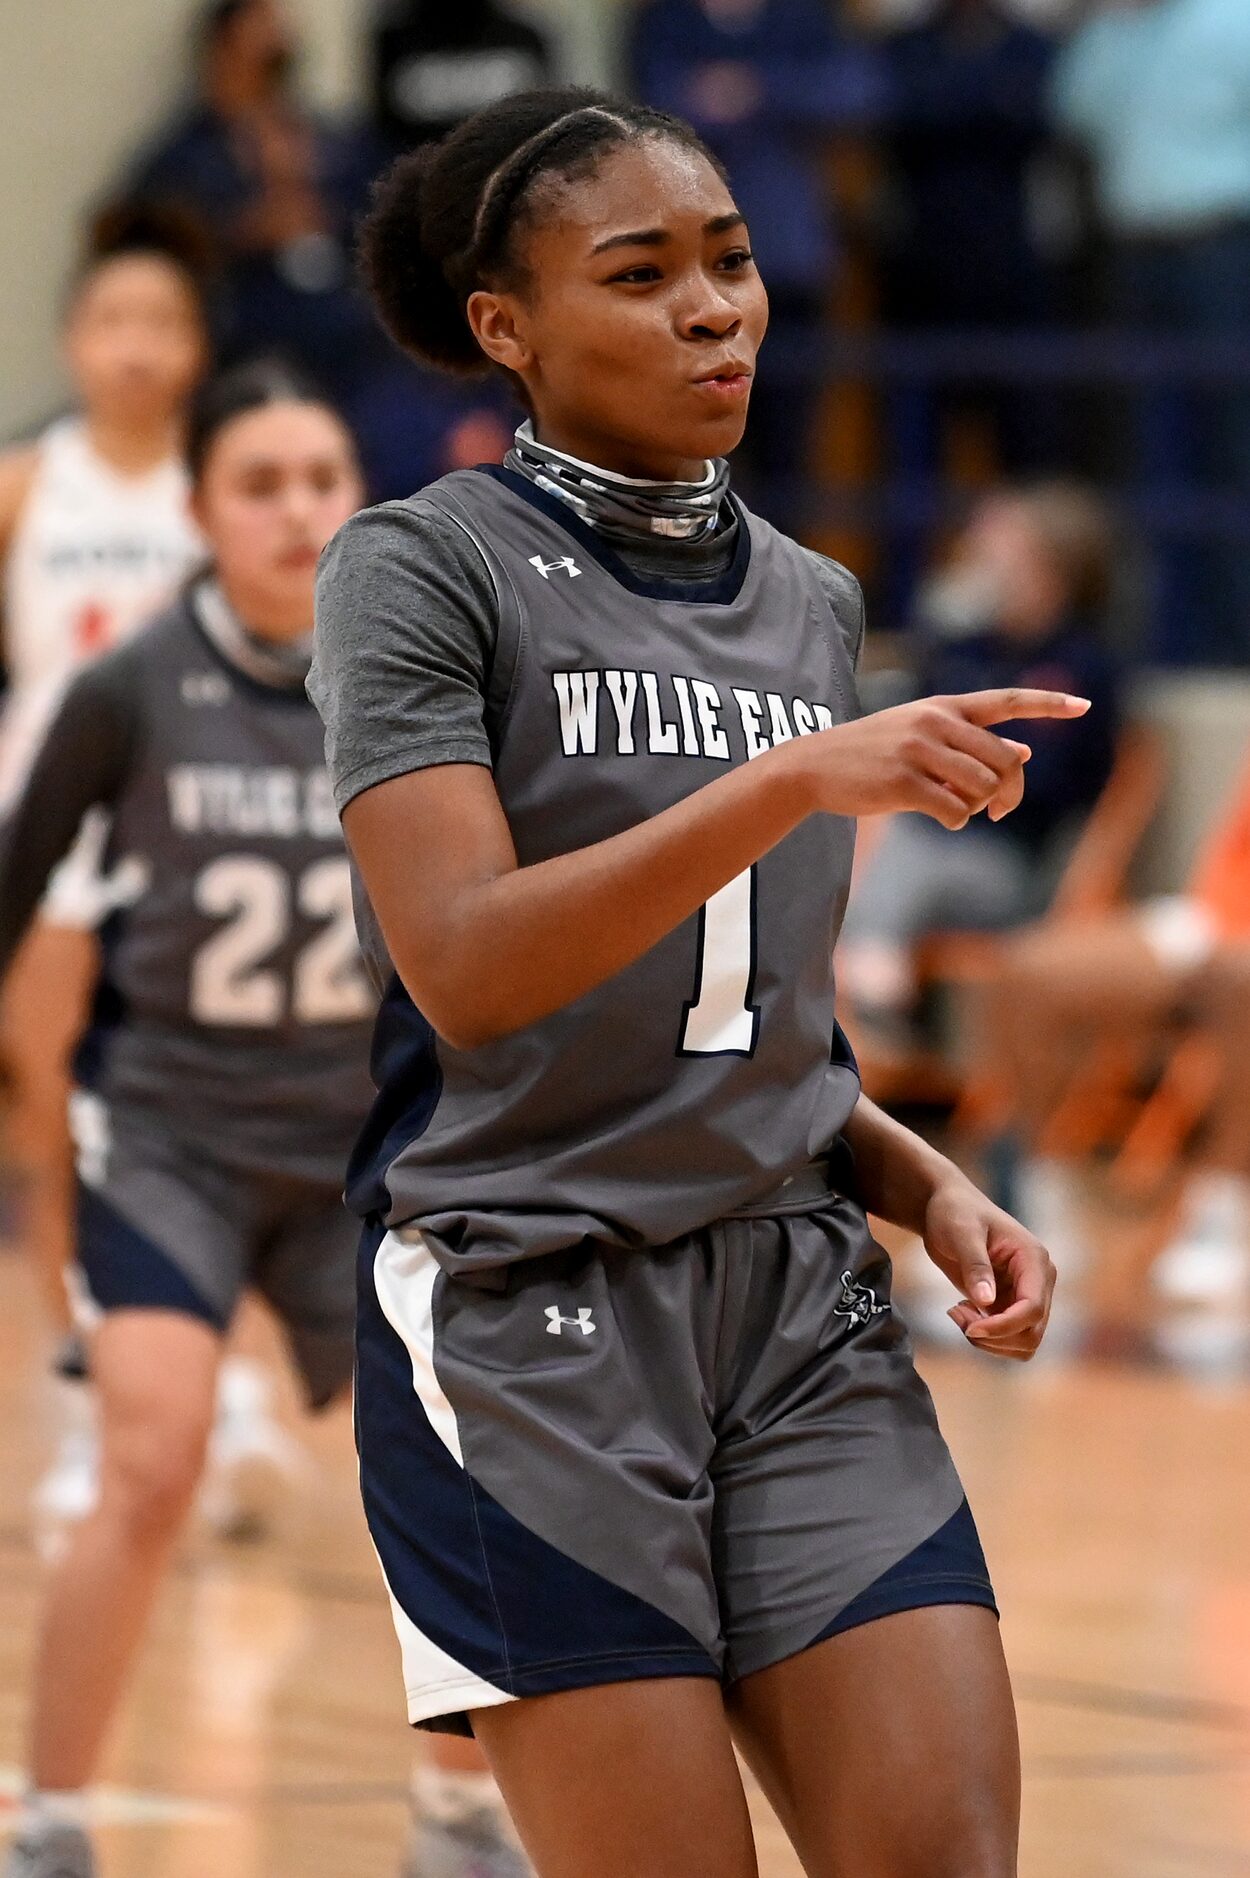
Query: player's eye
x=261, y=485
x=634, y=276
x=736, y=260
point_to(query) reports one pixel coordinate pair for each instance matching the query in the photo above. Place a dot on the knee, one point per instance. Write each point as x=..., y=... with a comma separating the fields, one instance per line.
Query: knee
x=981, y=1844
x=148, y=1483
x=988, y=1858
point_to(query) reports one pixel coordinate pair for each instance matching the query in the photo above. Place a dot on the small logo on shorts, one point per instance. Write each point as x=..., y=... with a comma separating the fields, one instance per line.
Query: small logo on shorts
x=556, y=1322
x=858, y=1302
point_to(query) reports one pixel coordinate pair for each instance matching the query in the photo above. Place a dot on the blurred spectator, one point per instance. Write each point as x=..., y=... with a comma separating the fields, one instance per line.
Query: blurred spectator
x=1017, y=605
x=1135, y=974
x=765, y=82
x=1158, y=91
x=280, y=189
x=967, y=134
x=433, y=65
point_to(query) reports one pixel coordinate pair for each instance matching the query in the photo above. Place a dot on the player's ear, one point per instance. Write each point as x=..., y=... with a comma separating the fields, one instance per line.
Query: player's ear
x=498, y=324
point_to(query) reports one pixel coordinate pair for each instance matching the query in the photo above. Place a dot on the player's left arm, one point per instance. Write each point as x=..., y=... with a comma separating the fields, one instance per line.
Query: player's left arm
x=1004, y=1274
x=81, y=762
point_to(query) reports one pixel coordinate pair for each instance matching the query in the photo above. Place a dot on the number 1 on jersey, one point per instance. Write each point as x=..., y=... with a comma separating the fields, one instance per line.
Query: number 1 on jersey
x=720, y=1019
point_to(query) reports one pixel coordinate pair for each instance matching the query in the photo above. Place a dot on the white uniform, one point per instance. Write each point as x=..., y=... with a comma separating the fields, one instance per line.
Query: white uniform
x=95, y=554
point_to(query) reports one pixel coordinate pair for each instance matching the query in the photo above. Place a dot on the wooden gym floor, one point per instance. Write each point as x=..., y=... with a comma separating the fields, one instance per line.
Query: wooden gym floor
x=265, y=1739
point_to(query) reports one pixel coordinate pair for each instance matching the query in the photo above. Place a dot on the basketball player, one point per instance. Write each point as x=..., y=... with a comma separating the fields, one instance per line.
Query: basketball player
x=95, y=536
x=223, y=1070
x=643, y=1451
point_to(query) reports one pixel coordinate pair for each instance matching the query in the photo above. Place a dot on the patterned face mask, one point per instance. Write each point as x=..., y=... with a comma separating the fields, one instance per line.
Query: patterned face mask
x=624, y=506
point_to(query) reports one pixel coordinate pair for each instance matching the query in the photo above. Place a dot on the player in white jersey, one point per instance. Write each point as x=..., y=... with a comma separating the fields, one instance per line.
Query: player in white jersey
x=95, y=535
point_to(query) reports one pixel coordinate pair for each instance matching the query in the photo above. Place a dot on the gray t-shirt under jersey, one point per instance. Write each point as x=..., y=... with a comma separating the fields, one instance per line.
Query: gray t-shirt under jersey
x=410, y=695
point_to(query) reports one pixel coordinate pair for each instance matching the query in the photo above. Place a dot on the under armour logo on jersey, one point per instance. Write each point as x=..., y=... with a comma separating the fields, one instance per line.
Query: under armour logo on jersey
x=556, y=1322
x=858, y=1302
x=548, y=568
x=205, y=688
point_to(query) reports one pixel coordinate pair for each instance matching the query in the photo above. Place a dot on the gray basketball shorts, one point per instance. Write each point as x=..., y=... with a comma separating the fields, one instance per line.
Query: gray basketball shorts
x=692, y=1461
x=165, y=1226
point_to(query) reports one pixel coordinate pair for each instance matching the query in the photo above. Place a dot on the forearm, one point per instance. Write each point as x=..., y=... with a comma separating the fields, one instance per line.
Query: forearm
x=32, y=841
x=897, y=1173
x=77, y=765
x=509, y=948
x=486, y=947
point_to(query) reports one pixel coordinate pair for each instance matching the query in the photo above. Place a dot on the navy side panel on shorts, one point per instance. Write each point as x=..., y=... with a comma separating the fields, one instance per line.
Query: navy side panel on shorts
x=125, y=1270
x=505, y=1605
x=946, y=1568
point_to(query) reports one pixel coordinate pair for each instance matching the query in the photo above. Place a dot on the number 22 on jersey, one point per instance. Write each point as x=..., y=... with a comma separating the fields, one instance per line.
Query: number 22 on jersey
x=231, y=981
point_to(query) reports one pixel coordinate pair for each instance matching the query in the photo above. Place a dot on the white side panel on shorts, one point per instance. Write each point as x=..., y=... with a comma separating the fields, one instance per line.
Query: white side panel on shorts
x=404, y=1272
x=92, y=1135
x=435, y=1683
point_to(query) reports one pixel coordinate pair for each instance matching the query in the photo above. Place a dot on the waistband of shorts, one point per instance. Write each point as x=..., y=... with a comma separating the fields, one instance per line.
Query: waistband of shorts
x=831, y=1177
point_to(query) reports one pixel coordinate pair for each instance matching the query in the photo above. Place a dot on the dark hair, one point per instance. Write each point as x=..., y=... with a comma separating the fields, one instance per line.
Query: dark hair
x=215, y=20
x=235, y=393
x=444, y=219
x=133, y=226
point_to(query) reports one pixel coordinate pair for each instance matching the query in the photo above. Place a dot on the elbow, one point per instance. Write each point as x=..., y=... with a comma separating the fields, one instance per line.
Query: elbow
x=465, y=1033
x=457, y=1012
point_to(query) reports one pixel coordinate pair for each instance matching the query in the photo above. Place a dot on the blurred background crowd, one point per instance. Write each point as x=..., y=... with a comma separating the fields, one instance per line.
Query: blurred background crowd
x=1007, y=244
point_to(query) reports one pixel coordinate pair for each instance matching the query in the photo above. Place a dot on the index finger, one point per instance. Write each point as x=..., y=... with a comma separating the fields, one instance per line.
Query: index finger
x=1010, y=702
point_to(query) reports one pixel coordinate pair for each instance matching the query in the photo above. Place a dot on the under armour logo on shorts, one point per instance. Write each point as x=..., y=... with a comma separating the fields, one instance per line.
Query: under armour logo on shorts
x=556, y=1322
x=858, y=1302
x=548, y=568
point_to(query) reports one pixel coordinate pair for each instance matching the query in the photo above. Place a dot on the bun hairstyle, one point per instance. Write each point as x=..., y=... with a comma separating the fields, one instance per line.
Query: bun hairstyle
x=238, y=392
x=151, y=228
x=447, y=218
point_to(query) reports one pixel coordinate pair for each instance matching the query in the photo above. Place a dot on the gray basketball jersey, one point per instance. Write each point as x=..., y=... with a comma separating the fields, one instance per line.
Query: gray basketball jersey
x=700, y=1079
x=233, y=1005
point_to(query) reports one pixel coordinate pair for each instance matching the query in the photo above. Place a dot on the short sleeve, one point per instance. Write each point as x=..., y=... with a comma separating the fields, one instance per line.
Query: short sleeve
x=406, y=626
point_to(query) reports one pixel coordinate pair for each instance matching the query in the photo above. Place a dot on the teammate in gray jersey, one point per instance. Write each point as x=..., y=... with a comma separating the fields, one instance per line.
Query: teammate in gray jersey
x=644, y=1454
x=224, y=1071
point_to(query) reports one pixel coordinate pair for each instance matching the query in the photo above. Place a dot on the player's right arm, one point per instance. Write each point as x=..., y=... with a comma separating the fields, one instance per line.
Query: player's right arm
x=82, y=761
x=17, y=472
x=486, y=946
x=406, y=633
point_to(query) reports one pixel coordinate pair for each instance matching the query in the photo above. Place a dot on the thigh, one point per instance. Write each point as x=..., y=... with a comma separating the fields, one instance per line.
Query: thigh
x=533, y=1464
x=306, y=1270
x=632, y=1778
x=1104, y=973
x=837, y=1501
x=890, y=1751
x=159, y=1228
